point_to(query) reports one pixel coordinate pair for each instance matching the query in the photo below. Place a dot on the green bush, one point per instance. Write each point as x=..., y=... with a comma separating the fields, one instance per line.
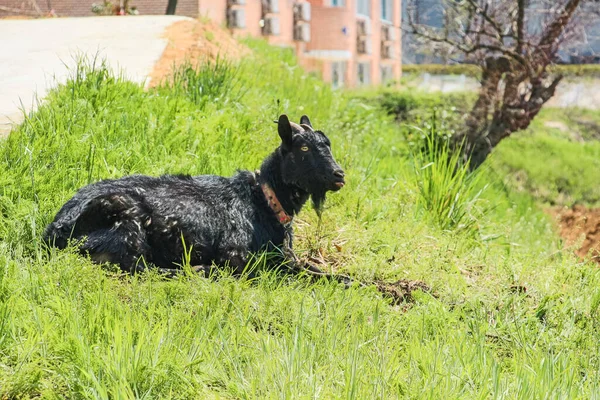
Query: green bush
x=474, y=71
x=442, y=69
x=414, y=108
x=577, y=70
x=406, y=105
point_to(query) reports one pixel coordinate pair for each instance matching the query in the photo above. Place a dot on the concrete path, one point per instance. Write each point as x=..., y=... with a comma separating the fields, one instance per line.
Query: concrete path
x=35, y=55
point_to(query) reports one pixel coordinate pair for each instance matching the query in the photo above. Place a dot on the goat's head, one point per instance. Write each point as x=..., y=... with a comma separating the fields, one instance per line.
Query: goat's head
x=307, y=160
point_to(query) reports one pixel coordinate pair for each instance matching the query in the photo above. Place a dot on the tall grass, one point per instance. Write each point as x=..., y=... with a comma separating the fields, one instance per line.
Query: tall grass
x=447, y=190
x=70, y=329
x=204, y=82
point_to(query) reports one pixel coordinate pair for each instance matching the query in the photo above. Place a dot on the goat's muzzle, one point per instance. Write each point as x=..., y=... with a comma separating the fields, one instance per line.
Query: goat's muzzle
x=339, y=181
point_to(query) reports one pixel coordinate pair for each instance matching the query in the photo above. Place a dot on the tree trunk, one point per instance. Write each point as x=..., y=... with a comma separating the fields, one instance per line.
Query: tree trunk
x=171, y=7
x=473, y=139
x=515, y=83
x=515, y=114
x=525, y=92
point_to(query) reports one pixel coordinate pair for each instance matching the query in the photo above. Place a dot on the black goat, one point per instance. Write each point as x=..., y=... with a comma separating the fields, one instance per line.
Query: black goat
x=139, y=220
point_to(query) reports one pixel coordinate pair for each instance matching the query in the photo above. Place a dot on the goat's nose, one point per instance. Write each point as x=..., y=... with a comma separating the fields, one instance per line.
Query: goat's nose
x=338, y=173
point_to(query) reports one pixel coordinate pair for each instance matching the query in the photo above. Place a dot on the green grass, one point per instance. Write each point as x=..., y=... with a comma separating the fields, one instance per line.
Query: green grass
x=556, y=160
x=70, y=329
x=448, y=192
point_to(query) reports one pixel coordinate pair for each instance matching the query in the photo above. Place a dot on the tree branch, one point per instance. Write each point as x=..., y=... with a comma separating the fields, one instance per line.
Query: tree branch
x=484, y=14
x=548, y=44
x=520, y=25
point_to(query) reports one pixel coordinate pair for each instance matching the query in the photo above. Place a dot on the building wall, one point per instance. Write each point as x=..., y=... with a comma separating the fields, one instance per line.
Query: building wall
x=214, y=10
x=332, y=28
x=332, y=49
x=286, y=24
x=253, y=10
x=187, y=8
x=21, y=7
x=334, y=37
x=82, y=8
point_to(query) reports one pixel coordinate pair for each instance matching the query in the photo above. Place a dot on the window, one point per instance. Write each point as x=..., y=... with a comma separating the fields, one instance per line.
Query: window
x=338, y=73
x=337, y=3
x=364, y=73
x=386, y=10
x=386, y=74
x=363, y=7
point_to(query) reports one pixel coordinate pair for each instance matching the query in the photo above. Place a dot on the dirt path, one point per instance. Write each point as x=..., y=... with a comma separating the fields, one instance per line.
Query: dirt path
x=580, y=226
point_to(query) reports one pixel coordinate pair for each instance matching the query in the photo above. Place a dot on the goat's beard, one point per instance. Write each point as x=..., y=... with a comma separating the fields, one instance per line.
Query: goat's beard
x=318, y=200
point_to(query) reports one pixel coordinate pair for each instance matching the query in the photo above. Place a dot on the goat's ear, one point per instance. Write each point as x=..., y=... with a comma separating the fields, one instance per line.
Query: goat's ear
x=285, y=130
x=305, y=121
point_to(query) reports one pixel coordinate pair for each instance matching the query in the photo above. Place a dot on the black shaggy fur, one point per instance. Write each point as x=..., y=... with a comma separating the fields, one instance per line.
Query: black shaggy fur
x=141, y=220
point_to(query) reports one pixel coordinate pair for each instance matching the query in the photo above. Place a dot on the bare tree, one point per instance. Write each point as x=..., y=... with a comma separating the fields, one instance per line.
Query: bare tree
x=513, y=42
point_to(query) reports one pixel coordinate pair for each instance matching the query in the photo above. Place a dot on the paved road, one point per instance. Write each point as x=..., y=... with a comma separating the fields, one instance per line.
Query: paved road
x=36, y=54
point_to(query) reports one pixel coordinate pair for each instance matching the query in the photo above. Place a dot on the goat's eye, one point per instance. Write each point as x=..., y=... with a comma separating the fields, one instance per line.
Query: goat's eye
x=304, y=148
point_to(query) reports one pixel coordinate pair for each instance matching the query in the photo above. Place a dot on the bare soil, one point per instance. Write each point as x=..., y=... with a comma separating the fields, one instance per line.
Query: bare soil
x=401, y=290
x=580, y=226
x=195, y=41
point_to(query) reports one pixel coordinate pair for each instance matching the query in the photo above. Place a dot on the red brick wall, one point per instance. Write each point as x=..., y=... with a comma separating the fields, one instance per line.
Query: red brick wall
x=73, y=8
x=327, y=24
x=157, y=7
x=79, y=8
x=23, y=6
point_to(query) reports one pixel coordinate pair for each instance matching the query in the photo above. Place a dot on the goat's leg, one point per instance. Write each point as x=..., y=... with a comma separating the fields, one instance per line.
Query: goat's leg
x=123, y=244
x=112, y=227
x=236, y=258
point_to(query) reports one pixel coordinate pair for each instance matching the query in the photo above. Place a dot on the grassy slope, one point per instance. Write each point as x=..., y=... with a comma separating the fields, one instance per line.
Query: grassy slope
x=557, y=159
x=69, y=329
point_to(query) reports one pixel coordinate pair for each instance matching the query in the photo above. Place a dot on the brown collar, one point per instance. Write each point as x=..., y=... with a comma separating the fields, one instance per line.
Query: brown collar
x=283, y=217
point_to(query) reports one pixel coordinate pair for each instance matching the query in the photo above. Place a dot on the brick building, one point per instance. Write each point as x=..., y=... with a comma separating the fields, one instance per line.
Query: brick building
x=348, y=42
x=356, y=42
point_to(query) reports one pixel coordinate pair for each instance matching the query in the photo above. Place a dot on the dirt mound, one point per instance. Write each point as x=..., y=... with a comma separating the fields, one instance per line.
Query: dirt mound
x=195, y=41
x=580, y=222
x=401, y=291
